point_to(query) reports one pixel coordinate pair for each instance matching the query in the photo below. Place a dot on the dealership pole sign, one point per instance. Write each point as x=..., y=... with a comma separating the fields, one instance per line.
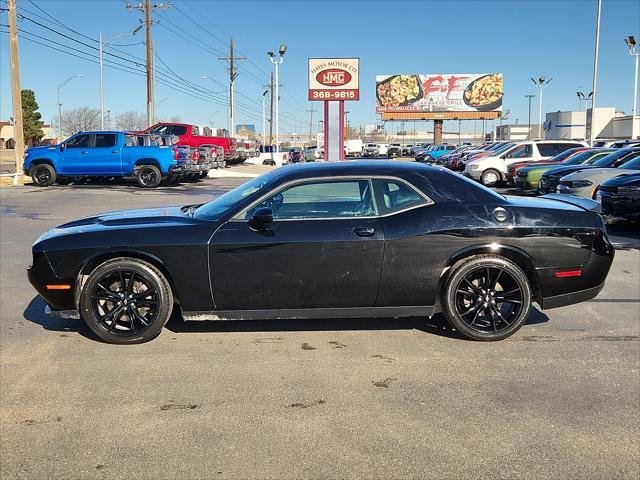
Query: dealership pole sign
x=334, y=81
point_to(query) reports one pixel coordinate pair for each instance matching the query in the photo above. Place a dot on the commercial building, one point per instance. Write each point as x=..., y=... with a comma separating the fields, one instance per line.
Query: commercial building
x=573, y=125
x=7, y=138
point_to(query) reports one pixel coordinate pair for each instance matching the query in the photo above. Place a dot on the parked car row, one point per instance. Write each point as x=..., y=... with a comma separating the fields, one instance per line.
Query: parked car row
x=611, y=173
x=148, y=158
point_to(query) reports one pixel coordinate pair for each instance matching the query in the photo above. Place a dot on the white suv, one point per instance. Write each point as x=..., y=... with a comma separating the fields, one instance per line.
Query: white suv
x=491, y=170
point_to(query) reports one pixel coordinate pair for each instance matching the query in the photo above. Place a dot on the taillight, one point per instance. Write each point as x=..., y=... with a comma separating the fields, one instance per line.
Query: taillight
x=176, y=154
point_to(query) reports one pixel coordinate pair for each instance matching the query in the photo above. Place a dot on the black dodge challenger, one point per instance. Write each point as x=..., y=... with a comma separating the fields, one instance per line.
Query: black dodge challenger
x=337, y=240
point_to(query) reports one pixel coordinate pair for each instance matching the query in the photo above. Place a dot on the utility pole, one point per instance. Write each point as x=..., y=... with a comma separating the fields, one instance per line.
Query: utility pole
x=310, y=123
x=529, y=97
x=16, y=95
x=147, y=7
x=232, y=77
x=271, y=111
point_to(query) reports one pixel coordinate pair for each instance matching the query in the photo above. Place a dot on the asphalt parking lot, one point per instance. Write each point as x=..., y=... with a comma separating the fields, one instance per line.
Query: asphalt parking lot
x=378, y=398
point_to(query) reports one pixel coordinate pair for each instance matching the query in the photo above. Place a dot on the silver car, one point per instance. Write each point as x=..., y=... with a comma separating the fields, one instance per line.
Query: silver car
x=585, y=183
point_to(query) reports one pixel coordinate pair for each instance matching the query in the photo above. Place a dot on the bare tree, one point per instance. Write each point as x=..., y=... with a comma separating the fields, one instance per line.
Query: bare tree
x=171, y=119
x=81, y=119
x=131, y=120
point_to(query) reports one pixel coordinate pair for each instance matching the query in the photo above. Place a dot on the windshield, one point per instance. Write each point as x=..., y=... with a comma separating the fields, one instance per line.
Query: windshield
x=564, y=155
x=632, y=164
x=215, y=208
x=595, y=157
x=504, y=147
x=580, y=158
x=612, y=157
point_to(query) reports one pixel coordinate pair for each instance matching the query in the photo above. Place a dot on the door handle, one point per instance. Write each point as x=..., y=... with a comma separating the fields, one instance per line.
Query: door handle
x=364, y=231
x=114, y=151
x=84, y=152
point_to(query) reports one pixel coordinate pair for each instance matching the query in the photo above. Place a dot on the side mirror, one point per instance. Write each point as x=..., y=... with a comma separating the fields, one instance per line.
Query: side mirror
x=62, y=147
x=261, y=218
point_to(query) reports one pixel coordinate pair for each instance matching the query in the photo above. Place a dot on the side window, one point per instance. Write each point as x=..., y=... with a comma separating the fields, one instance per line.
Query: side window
x=195, y=131
x=130, y=141
x=394, y=196
x=524, y=151
x=321, y=199
x=81, y=141
x=105, y=140
x=451, y=147
x=548, y=149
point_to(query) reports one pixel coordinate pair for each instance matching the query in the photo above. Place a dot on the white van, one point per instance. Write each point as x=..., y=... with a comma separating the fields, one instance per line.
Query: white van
x=491, y=170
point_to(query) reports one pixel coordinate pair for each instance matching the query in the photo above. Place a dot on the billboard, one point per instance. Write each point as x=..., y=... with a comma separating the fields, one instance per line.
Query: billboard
x=246, y=131
x=334, y=79
x=448, y=92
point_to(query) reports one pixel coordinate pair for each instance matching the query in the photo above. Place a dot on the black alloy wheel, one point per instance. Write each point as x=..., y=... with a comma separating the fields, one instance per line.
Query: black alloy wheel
x=148, y=176
x=487, y=298
x=43, y=174
x=126, y=300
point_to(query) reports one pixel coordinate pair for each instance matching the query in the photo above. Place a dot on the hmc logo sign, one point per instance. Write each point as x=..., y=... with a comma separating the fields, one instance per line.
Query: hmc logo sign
x=334, y=79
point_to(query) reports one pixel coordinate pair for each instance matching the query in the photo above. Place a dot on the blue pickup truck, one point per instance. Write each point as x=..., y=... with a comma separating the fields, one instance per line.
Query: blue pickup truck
x=103, y=154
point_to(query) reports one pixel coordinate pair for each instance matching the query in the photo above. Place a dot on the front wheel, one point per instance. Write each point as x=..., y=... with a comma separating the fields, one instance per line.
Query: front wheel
x=490, y=177
x=43, y=175
x=126, y=300
x=486, y=297
x=148, y=176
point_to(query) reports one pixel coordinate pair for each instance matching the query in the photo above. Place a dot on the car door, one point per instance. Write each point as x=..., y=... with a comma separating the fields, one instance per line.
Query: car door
x=323, y=250
x=106, y=155
x=73, y=156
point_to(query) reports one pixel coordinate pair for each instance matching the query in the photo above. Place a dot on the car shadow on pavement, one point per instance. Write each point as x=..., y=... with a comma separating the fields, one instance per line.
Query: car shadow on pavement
x=436, y=325
x=35, y=314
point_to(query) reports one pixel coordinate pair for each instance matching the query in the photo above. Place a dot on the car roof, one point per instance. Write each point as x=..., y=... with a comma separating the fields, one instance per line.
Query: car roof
x=351, y=167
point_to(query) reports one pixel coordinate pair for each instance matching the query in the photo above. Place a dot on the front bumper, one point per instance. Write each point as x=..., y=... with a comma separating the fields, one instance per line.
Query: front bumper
x=548, y=185
x=473, y=174
x=619, y=205
x=525, y=185
x=40, y=274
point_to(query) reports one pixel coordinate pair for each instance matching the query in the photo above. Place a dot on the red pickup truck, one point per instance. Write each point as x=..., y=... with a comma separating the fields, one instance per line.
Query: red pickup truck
x=190, y=135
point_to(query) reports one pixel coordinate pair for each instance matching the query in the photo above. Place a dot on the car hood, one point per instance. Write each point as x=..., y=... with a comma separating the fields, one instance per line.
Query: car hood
x=44, y=148
x=631, y=180
x=145, y=217
x=599, y=173
x=562, y=171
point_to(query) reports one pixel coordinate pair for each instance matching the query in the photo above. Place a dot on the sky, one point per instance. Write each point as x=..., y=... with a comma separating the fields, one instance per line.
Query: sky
x=518, y=38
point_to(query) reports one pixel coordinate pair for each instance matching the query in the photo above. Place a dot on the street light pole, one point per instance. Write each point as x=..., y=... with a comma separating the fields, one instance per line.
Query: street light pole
x=60, y=85
x=595, y=75
x=540, y=83
x=631, y=43
x=277, y=62
x=529, y=97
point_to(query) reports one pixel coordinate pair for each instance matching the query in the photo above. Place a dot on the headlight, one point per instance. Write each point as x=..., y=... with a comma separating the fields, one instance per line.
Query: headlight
x=581, y=183
x=629, y=190
x=473, y=167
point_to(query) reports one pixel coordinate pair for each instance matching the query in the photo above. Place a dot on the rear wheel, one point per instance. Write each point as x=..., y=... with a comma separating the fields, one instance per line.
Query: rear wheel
x=490, y=177
x=486, y=297
x=43, y=174
x=148, y=176
x=126, y=300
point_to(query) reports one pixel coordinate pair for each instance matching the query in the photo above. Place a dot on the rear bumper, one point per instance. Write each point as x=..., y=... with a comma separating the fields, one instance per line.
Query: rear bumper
x=571, y=298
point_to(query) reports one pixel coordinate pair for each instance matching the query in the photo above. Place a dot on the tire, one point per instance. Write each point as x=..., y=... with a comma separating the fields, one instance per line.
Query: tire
x=64, y=180
x=148, y=176
x=475, y=310
x=203, y=174
x=43, y=174
x=100, y=296
x=490, y=177
x=428, y=159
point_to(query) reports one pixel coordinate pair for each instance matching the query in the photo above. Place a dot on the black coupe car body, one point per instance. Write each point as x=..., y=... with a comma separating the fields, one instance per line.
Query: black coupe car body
x=347, y=239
